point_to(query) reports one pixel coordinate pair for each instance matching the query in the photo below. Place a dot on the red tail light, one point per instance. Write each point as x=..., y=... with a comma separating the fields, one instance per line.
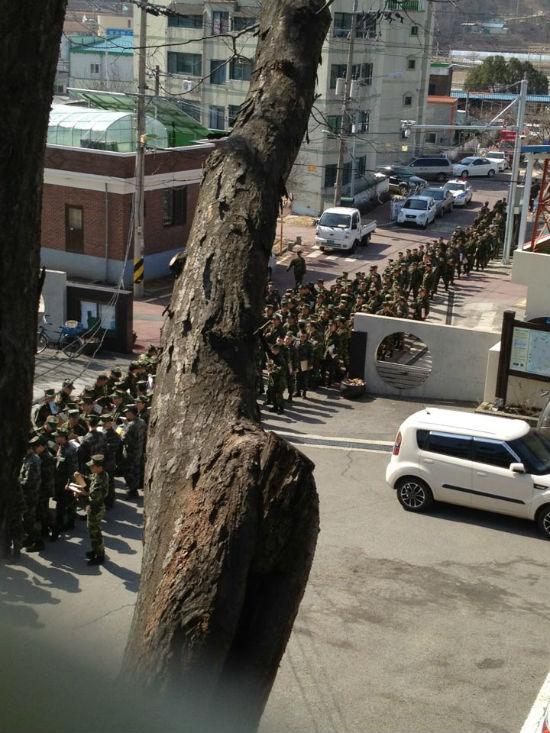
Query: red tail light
x=397, y=445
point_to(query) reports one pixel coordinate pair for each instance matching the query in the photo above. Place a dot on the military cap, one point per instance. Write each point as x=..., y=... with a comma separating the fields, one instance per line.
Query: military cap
x=93, y=419
x=142, y=383
x=37, y=440
x=320, y=280
x=102, y=376
x=51, y=420
x=134, y=365
x=130, y=408
x=96, y=460
x=72, y=406
x=68, y=383
x=87, y=388
x=73, y=413
x=60, y=433
x=298, y=250
x=116, y=372
x=389, y=297
x=49, y=393
x=142, y=400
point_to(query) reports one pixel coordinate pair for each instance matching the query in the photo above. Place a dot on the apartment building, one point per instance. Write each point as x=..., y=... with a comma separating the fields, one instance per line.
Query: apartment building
x=390, y=71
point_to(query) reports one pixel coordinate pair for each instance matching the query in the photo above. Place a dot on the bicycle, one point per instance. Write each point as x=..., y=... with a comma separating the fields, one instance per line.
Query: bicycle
x=68, y=339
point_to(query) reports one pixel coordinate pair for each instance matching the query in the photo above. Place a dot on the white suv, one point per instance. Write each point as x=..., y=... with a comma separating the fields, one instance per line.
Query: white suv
x=480, y=461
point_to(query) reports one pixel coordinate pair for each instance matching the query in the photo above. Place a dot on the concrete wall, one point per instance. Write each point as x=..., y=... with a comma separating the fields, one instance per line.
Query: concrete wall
x=459, y=357
x=533, y=269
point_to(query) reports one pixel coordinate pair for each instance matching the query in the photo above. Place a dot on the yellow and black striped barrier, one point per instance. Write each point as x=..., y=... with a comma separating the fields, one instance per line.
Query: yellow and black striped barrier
x=139, y=269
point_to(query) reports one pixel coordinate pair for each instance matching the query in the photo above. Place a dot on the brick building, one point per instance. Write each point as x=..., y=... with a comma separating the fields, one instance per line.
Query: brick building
x=87, y=209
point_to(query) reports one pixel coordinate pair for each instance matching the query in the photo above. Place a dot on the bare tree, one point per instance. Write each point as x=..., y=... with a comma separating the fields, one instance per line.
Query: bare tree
x=30, y=35
x=231, y=513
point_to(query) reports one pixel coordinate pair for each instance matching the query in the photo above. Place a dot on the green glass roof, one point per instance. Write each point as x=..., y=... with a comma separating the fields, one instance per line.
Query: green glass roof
x=181, y=128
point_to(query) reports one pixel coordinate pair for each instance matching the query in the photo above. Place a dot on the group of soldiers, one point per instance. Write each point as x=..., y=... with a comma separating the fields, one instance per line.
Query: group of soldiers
x=306, y=335
x=77, y=445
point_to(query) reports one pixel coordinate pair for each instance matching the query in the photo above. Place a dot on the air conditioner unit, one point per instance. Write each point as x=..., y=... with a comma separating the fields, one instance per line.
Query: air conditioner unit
x=188, y=85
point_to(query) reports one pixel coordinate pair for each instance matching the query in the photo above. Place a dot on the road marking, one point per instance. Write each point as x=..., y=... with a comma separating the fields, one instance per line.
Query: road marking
x=350, y=259
x=534, y=719
x=331, y=257
x=329, y=442
x=313, y=254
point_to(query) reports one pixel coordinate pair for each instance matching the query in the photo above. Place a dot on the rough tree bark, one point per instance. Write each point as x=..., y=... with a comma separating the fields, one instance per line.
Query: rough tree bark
x=231, y=512
x=30, y=34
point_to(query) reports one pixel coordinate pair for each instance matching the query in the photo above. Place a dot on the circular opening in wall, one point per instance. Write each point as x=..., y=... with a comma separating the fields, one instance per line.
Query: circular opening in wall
x=403, y=361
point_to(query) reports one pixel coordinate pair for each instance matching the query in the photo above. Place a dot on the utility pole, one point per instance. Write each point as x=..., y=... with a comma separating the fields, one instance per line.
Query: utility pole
x=139, y=244
x=514, y=176
x=157, y=81
x=345, y=110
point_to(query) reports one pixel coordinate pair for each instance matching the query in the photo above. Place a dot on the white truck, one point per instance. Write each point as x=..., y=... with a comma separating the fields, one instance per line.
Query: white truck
x=340, y=228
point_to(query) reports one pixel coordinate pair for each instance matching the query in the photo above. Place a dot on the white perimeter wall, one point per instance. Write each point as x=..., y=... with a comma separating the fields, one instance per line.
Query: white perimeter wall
x=459, y=357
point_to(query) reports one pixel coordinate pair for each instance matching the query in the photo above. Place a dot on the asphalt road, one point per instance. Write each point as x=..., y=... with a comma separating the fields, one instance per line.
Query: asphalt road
x=412, y=622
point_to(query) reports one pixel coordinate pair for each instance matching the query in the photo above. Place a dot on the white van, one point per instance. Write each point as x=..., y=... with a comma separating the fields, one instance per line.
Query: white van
x=480, y=461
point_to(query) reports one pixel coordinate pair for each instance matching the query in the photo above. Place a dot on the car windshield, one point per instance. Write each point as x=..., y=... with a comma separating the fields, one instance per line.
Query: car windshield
x=492, y=154
x=416, y=204
x=435, y=193
x=334, y=220
x=456, y=186
x=467, y=161
x=534, y=451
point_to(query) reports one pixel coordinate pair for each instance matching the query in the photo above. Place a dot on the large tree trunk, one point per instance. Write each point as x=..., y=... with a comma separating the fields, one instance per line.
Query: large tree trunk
x=231, y=512
x=30, y=34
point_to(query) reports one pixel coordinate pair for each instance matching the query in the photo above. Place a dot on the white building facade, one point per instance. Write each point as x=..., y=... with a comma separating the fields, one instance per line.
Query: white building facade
x=390, y=71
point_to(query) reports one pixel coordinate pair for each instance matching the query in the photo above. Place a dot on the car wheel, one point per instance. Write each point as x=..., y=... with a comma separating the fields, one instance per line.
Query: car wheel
x=414, y=495
x=464, y=174
x=354, y=247
x=490, y=173
x=543, y=520
x=365, y=240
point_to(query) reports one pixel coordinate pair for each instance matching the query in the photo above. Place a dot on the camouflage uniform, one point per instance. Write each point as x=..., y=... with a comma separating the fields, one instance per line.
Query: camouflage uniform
x=47, y=490
x=95, y=510
x=29, y=480
x=133, y=445
x=66, y=463
x=93, y=443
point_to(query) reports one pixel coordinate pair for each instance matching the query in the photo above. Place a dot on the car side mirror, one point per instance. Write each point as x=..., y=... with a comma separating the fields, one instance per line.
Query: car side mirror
x=517, y=468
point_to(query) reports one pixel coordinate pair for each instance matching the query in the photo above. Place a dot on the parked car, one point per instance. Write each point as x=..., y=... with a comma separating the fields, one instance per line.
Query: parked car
x=461, y=192
x=480, y=461
x=341, y=228
x=475, y=166
x=498, y=157
x=443, y=199
x=419, y=210
x=432, y=168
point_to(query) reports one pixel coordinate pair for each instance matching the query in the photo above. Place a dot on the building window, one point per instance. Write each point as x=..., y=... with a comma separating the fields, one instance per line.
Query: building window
x=220, y=22
x=185, y=63
x=217, y=71
x=363, y=121
x=365, y=26
x=330, y=175
x=74, y=229
x=361, y=165
x=174, y=206
x=240, y=23
x=216, y=117
x=407, y=100
x=185, y=21
x=334, y=123
x=94, y=68
x=405, y=5
x=240, y=69
x=359, y=72
x=232, y=112
x=411, y=64
x=431, y=89
x=430, y=137
x=414, y=30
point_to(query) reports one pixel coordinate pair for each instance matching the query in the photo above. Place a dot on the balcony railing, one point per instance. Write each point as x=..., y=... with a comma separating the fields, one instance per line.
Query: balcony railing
x=406, y=4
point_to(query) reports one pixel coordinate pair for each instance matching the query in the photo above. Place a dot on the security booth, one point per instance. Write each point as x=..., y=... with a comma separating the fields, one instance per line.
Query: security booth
x=106, y=312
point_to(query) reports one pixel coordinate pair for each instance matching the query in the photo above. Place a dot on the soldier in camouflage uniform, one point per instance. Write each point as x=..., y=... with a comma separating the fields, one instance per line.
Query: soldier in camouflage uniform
x=276, y=379
x=29, y=480
x=133, y=444
x=94, y=500
x=93, y=443
x=63, y=397
x=66, y=463
x=42, y=413
x=113, y=443
x=47, y=486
